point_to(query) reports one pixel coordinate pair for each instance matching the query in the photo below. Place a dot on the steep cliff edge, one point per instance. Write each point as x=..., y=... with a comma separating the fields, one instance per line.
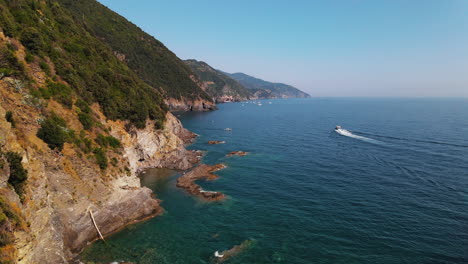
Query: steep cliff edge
x=77, y=160
x=63, y=186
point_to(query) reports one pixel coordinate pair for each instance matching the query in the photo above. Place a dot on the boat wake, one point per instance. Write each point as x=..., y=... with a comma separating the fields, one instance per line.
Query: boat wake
x=347, y=133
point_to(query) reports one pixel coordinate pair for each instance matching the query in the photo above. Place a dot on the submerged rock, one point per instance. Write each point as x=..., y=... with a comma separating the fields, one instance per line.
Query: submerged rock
x=214, y=142
x=227, y=254
x=203, y=171
x=237, y=153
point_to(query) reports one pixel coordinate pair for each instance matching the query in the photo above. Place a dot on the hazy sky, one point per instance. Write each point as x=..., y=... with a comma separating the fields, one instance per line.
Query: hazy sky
x=327, y=48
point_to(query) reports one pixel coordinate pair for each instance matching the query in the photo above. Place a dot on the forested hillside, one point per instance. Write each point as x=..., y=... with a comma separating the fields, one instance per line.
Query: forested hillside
x=78, y=65
x=265, y=89
x=218, y=85
x=144, y=54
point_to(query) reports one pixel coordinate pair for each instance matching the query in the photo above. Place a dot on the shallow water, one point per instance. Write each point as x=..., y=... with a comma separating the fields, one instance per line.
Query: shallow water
x=392, y=189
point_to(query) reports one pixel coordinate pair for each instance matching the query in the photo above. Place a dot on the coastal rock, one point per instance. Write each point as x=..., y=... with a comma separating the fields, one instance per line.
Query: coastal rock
x=237, y=153
x=215, y=142
x=203, y=171
x=199, y=105
x=227, y=254
x=62, y=186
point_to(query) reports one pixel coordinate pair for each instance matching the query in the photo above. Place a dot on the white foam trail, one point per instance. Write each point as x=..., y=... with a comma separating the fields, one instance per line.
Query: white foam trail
x=346, y=133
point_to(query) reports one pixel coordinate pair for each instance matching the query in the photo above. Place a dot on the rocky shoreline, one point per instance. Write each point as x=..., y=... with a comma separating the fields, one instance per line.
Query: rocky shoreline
x=203, y=171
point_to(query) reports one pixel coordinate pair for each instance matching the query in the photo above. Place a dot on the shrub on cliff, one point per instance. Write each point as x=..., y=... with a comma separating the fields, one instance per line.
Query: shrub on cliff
x=53, y=131
x=107, y=141
x=86, y=120
x=18, y=174
x=101, y=158
x=9, y=118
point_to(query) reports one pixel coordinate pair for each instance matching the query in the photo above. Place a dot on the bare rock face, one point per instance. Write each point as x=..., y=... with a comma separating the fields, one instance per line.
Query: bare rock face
x=63, y=186
x=150, y=148
x=203, y=171
x=191, y=105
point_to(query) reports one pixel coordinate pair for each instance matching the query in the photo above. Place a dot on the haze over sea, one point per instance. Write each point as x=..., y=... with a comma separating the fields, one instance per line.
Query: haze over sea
x=392, y=188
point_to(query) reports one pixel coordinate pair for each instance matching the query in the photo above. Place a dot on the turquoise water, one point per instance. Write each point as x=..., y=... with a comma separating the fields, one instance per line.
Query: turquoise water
x=393, y=188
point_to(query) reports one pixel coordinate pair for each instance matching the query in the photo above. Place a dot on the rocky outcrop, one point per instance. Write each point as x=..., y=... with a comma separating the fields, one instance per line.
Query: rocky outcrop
x=216, y=142
x=234, y=251
x=63, y=186
x=203, y=171
x=190, y=105
x=147, y=148
x=237, y=153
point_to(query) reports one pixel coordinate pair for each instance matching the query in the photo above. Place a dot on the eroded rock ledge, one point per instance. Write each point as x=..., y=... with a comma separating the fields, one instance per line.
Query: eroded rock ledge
x=203, y=171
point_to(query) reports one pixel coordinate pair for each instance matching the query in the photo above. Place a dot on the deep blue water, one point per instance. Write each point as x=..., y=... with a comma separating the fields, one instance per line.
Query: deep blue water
x=394, y=190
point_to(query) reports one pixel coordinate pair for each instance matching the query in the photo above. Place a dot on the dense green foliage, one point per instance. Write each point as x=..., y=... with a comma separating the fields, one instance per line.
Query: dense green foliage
x=9, y=118
x=18, y=174
x=86, y=120
x=219, y=83
x=9, y=64
x=88, y=65
x=265, y=88
x=53, y=131
x=107, y=141
x=101, y=158
x=148, y=57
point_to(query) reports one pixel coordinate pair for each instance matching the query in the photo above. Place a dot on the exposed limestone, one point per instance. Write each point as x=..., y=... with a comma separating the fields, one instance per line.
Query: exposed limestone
x=62, y=186
x=237, y=153
x=203, y=171
x=190, y=105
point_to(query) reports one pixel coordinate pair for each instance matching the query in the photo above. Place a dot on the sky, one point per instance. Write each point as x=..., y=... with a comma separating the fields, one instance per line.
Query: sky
x=370, y=48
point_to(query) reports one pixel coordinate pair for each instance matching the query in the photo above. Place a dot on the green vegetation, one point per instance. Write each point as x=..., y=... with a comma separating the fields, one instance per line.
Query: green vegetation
x=86, y=120
x=145, y=55
x=84, y=143
x=9, y=118
x=53, y=131
x=18, y=174
x=101, y=158
x=89, y=66
x=219, y=83
x=264, y=89
x=108, y=141
x=9, y=64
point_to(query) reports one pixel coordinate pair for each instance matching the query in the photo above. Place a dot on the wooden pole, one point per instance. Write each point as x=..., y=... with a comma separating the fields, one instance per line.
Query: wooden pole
x=94, y=222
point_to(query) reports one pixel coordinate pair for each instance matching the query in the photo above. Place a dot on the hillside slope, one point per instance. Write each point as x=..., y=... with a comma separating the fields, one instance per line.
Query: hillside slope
x=218, y=85
x=264, y=89
x=76, y=125
x=144, y=54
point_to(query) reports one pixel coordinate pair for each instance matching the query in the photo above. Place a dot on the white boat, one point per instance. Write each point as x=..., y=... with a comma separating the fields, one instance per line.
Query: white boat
x=228, y=129
x=337, y=127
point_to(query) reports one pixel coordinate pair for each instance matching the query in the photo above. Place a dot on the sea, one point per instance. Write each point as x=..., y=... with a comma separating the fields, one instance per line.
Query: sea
x=390, y=186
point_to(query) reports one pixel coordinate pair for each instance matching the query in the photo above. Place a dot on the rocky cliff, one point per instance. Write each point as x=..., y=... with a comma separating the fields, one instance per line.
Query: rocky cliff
x=48, y=219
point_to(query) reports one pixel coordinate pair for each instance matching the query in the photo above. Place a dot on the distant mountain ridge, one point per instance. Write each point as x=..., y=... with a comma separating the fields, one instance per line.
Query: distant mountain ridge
x=264, y=89
x=217, y=84
x=223, y=86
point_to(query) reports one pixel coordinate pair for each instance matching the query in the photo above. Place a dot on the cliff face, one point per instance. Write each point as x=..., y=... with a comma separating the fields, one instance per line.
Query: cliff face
x=51, y=223
x=63, y=186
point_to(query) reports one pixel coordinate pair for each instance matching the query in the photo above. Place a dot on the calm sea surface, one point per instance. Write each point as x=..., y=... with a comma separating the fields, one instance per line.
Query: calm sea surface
x=392, y=188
